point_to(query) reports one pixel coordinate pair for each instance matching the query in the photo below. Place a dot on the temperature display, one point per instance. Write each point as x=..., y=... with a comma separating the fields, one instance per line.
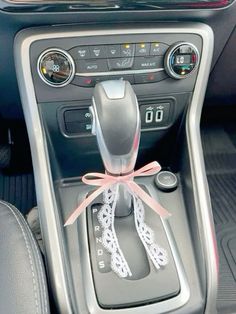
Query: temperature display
x=56, y=68
x=181, y=60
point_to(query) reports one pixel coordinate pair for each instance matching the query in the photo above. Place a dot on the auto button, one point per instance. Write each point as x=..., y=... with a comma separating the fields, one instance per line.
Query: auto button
x=90, y=66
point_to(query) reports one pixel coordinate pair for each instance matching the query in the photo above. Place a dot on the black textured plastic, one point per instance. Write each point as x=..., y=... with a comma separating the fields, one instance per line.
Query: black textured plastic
x=18, y=190
x=220, y=159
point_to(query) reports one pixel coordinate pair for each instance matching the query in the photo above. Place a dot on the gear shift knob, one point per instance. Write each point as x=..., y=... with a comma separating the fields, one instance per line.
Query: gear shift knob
x=116, y=123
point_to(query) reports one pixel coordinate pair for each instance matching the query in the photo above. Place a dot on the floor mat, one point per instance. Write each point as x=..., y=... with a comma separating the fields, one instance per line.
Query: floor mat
x=18, y=190
x=220, y=159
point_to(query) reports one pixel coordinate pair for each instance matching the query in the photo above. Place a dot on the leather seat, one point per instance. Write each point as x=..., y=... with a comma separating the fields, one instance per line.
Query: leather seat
x=23, y=288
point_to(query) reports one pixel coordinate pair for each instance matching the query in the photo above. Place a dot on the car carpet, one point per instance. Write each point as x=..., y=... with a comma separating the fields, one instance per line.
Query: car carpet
x=19, y=190
x=220, y=160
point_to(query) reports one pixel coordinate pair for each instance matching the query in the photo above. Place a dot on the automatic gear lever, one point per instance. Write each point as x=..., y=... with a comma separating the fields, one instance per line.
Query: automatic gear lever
x=116, y=123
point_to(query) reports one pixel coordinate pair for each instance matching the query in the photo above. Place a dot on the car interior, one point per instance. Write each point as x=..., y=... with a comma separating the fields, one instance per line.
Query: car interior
x=118, y=156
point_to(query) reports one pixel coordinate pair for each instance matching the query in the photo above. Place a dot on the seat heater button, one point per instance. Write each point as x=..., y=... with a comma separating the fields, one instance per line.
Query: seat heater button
x=142, y=63
x=166, y=181
x=84, y=81
x=150, y=77
x=120, y=63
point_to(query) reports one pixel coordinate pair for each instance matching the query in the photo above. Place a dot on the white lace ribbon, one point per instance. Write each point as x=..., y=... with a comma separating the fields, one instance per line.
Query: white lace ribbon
x=106, y=217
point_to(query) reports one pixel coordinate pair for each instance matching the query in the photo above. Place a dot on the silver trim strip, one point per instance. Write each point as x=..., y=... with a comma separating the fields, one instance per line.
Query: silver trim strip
x=51, y=225
x=120, y=72
x=48, y=212
x=200, y=184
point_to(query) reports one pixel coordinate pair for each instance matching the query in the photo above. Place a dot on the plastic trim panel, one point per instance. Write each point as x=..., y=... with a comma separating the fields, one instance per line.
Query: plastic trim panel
x=50, y=220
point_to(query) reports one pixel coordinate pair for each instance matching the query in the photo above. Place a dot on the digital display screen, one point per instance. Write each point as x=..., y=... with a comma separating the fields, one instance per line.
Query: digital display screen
x=182, y=59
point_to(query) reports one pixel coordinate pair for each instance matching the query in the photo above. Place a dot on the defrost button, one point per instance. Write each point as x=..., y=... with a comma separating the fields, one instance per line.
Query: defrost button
x=152, y=77
x=97, y=52
x=113, y=51
x=142, y=49
x=80, y=52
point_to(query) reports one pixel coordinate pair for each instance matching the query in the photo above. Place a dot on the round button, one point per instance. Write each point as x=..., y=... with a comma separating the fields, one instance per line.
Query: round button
x=181, y=60
x=166, y=181
x=56, y=67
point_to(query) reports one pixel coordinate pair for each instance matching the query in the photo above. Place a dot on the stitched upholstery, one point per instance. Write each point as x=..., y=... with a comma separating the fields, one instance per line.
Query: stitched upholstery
x=23, y=286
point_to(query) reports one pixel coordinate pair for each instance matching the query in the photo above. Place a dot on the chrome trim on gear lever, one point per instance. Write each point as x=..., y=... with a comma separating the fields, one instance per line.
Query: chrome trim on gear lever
x=117, y=125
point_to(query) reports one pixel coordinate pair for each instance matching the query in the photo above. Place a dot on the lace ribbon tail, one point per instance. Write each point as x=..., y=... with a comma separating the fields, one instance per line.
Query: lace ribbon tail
x=161, y=211
x=85, y=204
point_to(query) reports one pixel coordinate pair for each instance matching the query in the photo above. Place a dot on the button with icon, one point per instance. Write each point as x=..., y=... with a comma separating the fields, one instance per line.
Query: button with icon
x=120, y=63
x=97, y=52
x=113, y=51
x=127, y=50
x=158, y=49
x=142, y=49
x=80, y=52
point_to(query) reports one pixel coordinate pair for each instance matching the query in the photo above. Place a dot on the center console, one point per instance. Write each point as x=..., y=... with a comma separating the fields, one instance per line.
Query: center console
x=167, y=66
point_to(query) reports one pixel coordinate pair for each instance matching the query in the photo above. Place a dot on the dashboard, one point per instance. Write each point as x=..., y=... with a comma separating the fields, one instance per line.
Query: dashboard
x=165, y=62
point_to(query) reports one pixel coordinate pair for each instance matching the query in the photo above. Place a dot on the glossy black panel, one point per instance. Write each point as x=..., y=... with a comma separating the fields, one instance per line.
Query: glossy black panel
x=109, y=5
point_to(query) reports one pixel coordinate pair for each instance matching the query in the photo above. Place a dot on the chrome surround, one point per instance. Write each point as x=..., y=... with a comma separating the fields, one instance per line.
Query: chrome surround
x=166, y=185
x=116, y=164
x=168, y=67
x=50, y=221
x=71, y=62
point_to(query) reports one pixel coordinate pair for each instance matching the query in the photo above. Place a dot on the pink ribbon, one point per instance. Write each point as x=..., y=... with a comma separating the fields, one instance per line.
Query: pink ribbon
x=105, y=181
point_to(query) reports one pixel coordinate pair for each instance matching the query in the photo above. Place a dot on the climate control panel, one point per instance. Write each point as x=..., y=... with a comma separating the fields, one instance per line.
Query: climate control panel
x=136, y=62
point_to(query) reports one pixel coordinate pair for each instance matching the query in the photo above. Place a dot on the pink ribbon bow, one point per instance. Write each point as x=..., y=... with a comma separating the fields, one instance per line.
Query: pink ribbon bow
x=104, y=181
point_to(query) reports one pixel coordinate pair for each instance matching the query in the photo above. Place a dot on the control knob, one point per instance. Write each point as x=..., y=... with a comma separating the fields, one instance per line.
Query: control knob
x=181, y=60
x=56, y=67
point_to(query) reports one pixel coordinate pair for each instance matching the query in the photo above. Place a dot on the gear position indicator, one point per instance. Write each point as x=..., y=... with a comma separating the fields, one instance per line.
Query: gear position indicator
x=103, y=258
